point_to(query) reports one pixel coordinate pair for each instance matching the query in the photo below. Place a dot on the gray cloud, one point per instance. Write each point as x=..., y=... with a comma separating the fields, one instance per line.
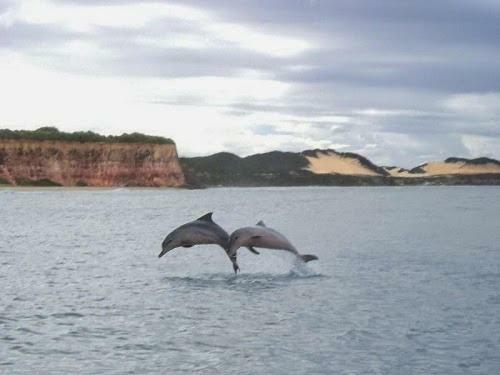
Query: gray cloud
x=402, y=56
x=22, y=36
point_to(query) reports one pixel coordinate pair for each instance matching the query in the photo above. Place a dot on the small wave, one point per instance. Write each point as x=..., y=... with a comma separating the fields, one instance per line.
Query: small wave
x=355, y=334
x=4, y=318
x=488, y=275
x=301, y=269
x=415, y=332
x=495, y=300
x=27, y=330
x=469, y=364
x=261, y=280
x=297, y=270
x=59, y=352
x=67, y=315
x=135, y=347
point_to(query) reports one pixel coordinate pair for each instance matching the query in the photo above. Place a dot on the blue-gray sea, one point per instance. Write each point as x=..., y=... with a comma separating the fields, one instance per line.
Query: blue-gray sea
x=407, y=282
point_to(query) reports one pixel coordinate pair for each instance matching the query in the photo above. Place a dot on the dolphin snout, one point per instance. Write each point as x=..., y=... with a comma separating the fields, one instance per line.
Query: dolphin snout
x=165, y=248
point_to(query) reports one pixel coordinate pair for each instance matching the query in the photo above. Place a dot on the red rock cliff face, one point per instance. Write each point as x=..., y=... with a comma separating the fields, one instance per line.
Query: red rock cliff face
x=90, y=164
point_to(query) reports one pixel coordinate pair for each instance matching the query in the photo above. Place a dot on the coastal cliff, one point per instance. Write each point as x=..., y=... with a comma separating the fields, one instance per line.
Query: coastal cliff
x=49, y=157
x=72, y=163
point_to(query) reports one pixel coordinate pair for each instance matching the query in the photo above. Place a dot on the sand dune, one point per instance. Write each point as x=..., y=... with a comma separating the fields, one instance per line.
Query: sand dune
x=401, y=172
x=439, y=168
x=332, y=162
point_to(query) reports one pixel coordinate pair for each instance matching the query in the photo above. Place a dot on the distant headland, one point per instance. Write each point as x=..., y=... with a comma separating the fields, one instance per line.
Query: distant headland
x=331, y=168
x=49, y=157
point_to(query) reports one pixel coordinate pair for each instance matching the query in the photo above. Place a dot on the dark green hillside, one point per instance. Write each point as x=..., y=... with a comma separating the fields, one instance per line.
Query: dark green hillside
x=48, y=133
x=418, y=169
x=271, y=168
x=477, y=161
x=274, y=168
x=287, y=169
x=275, y=161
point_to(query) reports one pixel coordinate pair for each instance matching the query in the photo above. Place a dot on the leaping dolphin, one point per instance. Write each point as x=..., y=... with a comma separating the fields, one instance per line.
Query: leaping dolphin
x=262, y=236
x=202, y=231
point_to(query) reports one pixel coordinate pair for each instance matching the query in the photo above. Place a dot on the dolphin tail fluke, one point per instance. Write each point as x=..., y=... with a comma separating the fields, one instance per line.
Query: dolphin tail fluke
x=308, y=257
x=236, y=268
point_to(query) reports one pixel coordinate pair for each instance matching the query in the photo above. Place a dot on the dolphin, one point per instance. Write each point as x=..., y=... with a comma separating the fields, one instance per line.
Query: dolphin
x=202, y=231
x=264, y=237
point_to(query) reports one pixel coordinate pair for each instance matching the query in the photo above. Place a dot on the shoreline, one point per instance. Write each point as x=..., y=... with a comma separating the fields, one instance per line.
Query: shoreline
x=149, y=188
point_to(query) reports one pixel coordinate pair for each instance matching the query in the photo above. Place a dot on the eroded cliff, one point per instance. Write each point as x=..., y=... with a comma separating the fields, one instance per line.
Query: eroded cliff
x=89, y=164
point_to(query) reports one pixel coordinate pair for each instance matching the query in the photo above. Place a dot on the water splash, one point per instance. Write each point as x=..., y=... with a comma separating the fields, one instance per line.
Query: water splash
x=302, y=269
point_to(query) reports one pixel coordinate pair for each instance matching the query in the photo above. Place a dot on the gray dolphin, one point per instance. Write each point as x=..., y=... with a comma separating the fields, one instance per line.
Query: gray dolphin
x=262, y=236
x=202, y=231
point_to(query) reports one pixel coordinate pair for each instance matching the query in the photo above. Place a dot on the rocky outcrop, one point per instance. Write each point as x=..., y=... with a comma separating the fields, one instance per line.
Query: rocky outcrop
x=27, y=162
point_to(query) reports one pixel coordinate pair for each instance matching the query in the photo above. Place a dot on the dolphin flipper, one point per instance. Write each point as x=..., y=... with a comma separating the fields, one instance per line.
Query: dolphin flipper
x=308, y=257
x=253, y=250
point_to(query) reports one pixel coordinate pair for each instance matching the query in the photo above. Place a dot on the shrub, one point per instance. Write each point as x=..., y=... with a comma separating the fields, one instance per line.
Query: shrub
x=49, y=133
x=41, y=182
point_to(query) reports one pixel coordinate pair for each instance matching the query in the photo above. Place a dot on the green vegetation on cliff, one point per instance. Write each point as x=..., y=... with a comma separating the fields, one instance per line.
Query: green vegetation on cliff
x=44, y=182
x=477, y=161
x=48, y=133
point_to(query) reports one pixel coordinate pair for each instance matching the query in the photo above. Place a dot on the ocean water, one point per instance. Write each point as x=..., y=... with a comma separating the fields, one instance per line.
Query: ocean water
x=408, y=282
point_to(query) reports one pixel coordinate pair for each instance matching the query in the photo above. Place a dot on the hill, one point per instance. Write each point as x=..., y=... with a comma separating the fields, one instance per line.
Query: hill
x=329, y=167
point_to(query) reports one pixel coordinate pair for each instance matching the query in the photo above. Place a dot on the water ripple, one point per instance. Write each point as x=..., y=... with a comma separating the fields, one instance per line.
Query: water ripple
x=406, y=283
x=67, y=315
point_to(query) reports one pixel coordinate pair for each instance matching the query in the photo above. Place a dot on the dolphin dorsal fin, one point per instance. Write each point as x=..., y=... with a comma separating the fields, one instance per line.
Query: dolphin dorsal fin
x=206, y=217
x=261, y=224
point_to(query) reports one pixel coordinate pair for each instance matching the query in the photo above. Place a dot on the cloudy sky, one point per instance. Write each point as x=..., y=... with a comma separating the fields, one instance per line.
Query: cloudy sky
x=399, y=81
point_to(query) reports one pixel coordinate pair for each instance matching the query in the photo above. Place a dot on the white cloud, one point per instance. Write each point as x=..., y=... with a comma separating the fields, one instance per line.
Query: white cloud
x=380, y=112
x=32, y=97
x=211, y=32
x=84, y=18
x=219, y=90
x=475, y=104
x=481, y=146
x=245, y=37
